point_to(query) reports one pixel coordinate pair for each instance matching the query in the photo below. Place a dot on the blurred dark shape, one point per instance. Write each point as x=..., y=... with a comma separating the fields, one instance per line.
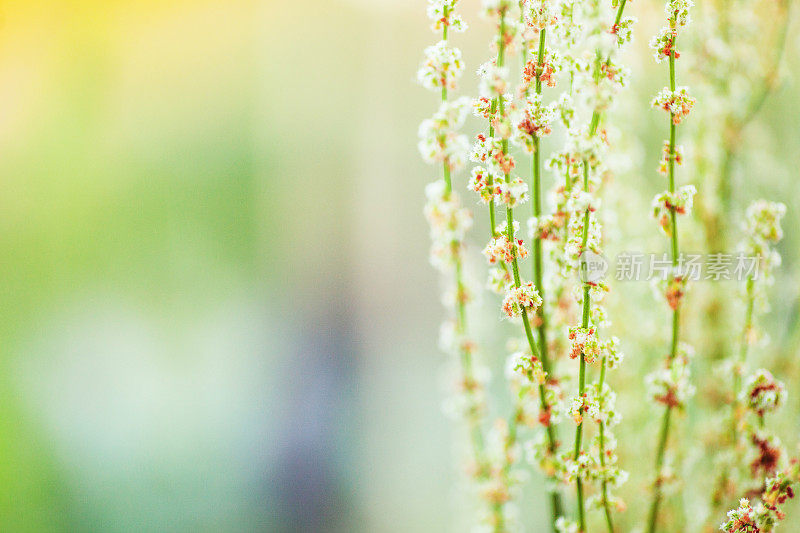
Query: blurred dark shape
x=316, y=425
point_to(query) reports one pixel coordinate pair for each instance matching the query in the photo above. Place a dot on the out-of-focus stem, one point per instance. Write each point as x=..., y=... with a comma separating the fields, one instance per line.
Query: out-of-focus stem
x=744, y=344
x=716, y=221
x=476, y=432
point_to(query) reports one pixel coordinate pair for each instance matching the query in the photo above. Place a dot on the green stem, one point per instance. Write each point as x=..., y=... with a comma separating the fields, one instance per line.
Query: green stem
x=582, y=370
x=737, y=378
x=620, y=8
x=490, y=177
x=662, y=444
x=604, y=484
x=476, y=432
x=772, y=71
x=593, y=125
x=552, y=439
x=536, y=186
x=718, y=218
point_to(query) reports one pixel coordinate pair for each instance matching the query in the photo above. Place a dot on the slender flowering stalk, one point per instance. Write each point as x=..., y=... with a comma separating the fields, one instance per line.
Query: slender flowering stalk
x=737, y=56
x=670, y=384
x=488, y=181
x=494, y=183
x=536, y=16
x=739, y=60
x=538, y=19
x=441, y=143
x=762, y=393
x=622, y=29
x=602, y=79
x=763, y=230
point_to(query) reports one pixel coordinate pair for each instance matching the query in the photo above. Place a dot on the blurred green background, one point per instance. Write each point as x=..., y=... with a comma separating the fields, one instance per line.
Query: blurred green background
x=217, y=312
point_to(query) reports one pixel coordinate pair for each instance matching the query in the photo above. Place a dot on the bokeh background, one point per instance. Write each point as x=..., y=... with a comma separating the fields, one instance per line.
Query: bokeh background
x=216, y=312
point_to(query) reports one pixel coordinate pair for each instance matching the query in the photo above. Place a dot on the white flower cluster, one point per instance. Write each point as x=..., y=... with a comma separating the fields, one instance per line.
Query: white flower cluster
x=624, y=30
x=584, y=152
x=601, y=405
x=441, y=67
x=439, y=140
x=493, y=8
x=762, y=230
x=510, y=193
x=522, y=364
x=666, y=156
x=500, y=279
x=485, y=107
x=763, y=393
x=448, y=222
x=663, y=44
x=611, y=353
x=677, y=12
x=580, y=467
x=671, y=384
x=493, y=86
x=522, y=298
x=546, y=227
x=487, y=151
x=744, y=519
x=443, y=15
x=583, y=341
x=677, y=103
x=766, y=514
x=574, y=246
x=763, y=220
x=542, y=72
x=501, y=249
x=482, y=182
x=493, y=80
x=680, y=201
x=576, y=408
x=502, y=481
x=539, y=14
x=467, y=393
x=535, y=122
x=673, y=287
x=565, y=525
